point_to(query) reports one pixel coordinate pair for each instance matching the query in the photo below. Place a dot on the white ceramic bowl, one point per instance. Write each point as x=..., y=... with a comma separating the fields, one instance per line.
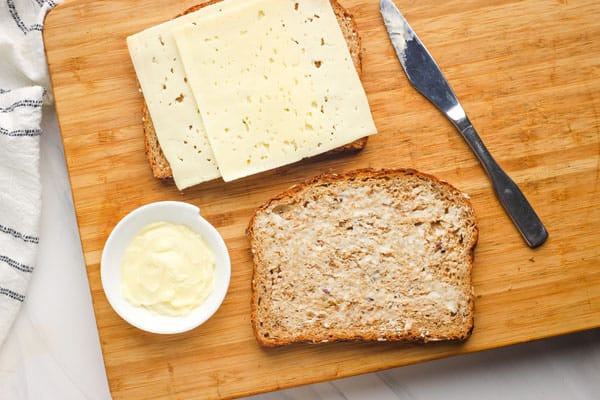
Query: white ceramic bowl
x=110, y=267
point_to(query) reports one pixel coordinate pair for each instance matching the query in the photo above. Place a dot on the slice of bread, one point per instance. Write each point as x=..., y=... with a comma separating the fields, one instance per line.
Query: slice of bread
x=369, y=255
x=154, y=154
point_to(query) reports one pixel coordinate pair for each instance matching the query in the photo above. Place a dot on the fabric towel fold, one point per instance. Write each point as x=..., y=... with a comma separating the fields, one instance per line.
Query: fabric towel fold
x=24, y=88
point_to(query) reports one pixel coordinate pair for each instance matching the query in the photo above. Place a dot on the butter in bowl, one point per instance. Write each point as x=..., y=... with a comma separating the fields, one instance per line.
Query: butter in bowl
x=164, y=268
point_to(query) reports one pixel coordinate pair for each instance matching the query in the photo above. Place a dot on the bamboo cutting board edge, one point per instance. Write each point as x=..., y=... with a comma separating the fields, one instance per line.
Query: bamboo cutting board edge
x=553, y=288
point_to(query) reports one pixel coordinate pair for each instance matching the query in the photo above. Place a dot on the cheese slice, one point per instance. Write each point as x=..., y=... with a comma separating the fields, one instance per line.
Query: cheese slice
x=174, y=112
x=274, y=82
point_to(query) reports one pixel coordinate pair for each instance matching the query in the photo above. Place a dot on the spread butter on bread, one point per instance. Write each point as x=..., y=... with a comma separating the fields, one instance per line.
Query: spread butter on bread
x=368, y=255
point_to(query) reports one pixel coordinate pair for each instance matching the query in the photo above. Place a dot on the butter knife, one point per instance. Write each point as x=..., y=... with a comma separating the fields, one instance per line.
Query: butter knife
x=424, y=74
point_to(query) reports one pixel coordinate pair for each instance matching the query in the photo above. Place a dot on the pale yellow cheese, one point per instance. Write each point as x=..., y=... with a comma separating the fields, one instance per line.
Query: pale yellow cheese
x=171, y=104
x=274, y=82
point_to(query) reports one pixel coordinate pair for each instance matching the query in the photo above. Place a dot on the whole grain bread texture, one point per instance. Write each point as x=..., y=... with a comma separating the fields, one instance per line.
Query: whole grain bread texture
x=154, y=154
x=368, y=255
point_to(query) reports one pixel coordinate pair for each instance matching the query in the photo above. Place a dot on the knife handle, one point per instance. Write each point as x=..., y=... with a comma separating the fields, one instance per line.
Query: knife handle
x=512, y=199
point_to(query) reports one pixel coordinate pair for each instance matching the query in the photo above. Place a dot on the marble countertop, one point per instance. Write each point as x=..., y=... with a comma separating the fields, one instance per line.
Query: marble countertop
x=53, y=350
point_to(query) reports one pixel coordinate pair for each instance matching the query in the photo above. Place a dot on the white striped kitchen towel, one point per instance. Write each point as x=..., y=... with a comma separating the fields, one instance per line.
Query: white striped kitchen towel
x=24, y=87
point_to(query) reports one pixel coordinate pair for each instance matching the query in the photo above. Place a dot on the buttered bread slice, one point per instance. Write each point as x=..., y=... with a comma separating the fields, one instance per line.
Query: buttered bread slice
x=369, y=255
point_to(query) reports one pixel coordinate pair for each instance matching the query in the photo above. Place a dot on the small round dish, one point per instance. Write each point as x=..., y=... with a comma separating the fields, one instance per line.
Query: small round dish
x=118, y=240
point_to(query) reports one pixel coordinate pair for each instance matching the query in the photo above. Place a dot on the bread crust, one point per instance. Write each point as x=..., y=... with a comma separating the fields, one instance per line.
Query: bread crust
x=158, y=163
x=360, y=174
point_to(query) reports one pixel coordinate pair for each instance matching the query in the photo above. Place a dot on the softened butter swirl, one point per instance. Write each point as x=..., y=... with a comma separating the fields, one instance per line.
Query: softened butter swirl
x=167, y=268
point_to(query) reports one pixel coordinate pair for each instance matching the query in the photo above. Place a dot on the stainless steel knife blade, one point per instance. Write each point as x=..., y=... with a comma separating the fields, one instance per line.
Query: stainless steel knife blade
x=425, y=75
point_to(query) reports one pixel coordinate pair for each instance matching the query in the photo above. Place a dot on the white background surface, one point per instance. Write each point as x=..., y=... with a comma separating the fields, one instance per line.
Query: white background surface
x=53, y=350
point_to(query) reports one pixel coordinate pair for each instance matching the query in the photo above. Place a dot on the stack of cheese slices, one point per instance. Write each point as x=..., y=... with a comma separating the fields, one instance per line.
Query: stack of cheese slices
x=238, y=87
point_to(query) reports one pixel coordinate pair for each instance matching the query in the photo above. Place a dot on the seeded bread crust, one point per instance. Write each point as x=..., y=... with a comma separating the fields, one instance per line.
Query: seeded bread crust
x=154, y=154
x=333, y=260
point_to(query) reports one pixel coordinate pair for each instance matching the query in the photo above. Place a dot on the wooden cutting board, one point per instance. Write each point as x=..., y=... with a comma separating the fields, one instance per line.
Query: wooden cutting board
x=528, y=74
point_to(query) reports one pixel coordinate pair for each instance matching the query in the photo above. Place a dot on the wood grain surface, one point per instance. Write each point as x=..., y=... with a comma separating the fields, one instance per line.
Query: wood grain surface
x=528, y=75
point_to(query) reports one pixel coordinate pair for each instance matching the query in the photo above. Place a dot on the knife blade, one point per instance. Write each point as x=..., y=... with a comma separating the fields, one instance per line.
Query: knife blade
x=427, y=78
